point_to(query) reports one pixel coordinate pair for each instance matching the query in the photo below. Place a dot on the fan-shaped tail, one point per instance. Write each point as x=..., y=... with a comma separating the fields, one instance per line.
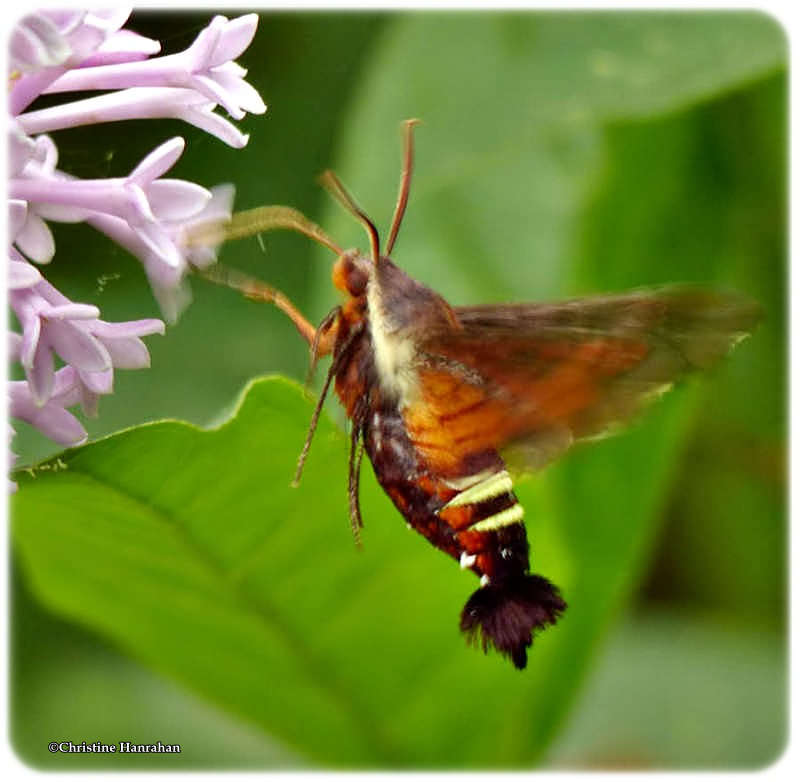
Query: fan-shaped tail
x=506, y=615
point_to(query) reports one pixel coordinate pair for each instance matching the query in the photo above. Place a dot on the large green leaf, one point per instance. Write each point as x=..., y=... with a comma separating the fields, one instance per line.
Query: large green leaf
x=190, y=550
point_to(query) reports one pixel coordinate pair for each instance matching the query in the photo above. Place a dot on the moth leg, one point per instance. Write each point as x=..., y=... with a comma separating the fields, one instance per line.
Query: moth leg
x=257, y=290
x=335, y=366
x=354, y=469
x=324, y=340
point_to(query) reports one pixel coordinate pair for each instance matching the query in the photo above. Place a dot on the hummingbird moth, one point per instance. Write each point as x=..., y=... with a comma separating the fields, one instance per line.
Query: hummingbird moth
x=438, y=395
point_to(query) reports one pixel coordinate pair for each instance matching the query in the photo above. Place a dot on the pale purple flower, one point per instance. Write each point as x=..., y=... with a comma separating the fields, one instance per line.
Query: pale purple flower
x=39, y=42
x=186, y=86
x=58, y=51
x=32, y=157
x=142, y=200
x=17, y=215
x=168, y=283
x=122, y=46
x=52, y=418
x=206, y=66
x=52, y=324
x=49, y=328
x=137, y=103
x=21, y=149
x=22, y=275
x=46, y=44
x=126, y=350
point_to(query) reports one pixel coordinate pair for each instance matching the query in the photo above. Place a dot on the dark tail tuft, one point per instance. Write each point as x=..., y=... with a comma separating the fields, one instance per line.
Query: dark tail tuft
x=507, y=614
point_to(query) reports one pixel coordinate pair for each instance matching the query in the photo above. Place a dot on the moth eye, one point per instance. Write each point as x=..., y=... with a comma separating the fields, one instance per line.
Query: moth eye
x=349, y=275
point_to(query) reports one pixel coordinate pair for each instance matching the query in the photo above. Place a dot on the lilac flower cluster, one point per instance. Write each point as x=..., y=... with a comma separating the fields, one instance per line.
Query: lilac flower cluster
x=55, y=51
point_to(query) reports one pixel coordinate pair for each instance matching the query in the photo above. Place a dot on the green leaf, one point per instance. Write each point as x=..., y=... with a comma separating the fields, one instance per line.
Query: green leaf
x=190, y=550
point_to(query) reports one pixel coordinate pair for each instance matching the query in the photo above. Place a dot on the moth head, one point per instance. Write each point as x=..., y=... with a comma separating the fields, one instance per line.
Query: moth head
x=351, y=272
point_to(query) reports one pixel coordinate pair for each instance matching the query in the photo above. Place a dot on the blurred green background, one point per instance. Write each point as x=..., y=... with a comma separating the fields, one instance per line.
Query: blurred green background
x=560, y=154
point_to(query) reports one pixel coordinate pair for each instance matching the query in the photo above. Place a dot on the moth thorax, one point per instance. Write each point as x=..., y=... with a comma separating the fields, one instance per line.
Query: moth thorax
x=394, y=349
x=351, y=272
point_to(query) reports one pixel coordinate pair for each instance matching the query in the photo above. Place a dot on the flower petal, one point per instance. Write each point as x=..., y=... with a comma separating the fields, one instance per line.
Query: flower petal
x=158, y=162
x=216, y=92
x=64, y=388
x=203, y=117
x=31, y=334
x=41, y=373
x=235, y=36
x=66, y=20
x=176, y=199
x=14, y=345
x=71, y=311
x=122, y=46
x=21, y=148
x=62, y=213
x=90, y=402
x=51, y=419
x=130, y=353
x=43, y=157
x=159, y=243
x=238, y=90
x=46, y=153
x=37, y=43
x=109, y=19
x=59, y=425
x=36, y=240
x=198, y=56
x=172, y=299
x=17, y=214
x=76, y=346
x=220, y=206
x=51, y=294
x=98, y=382
x=126, y=329
x=22, y=275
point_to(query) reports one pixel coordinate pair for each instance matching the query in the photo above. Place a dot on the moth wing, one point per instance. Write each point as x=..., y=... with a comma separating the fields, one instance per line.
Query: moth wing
x=532, y=379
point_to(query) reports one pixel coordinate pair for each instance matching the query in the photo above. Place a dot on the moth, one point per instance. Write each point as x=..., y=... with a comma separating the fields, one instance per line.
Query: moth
x=437, y=396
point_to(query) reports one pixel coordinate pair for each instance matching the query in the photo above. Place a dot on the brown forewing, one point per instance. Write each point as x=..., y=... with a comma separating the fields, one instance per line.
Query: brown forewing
x=540, y=376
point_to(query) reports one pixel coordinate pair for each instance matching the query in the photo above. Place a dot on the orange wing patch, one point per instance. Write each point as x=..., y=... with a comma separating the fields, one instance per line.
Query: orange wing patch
x=526, y=388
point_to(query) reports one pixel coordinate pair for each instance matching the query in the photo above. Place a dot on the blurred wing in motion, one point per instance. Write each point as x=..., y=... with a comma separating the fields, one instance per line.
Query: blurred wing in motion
x=534, y=378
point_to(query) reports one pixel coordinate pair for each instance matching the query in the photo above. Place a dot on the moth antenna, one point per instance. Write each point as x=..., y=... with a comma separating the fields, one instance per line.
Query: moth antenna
x=255, y=221
x=333, y=185
x=335, y=366
x=257, y=290
x=405, y=182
